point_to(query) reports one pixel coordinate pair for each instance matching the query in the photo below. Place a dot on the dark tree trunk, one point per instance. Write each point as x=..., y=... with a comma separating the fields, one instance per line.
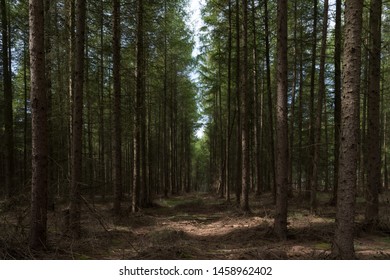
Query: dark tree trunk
x=8, y=111
x=318, y=120
x=139, y=124
x=38, y=226
x=76, y=179
x=310, y=180
x=270, y=103
x=117, y=141
x=373, y=132
x=337, y=97
x=281, y=159
x=244, y=91
x=343, y=245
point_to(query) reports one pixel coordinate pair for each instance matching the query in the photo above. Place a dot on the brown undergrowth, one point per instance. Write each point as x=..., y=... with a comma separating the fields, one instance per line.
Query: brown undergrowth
x=196, y=226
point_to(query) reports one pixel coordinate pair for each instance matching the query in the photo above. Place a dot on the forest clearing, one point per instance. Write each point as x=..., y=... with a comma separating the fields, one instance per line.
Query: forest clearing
x=195, y=226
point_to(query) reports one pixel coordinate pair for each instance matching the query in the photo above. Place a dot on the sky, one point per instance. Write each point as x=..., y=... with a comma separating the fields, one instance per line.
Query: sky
x=196, y=20
x=196, y=23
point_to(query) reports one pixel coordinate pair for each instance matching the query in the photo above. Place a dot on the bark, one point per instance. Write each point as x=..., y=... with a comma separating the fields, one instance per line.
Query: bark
x=244, y=91
x=38, y=225
x=270, y=103
x=117, y=143
x=337, y=97
x=281, y=159
x=312, y=136
x=238, y=105
x=76, y=179
x=8, y=111
x=318, y=120
x=139, y=125
x=373, y=130
x=229, y=92
x=343, y=245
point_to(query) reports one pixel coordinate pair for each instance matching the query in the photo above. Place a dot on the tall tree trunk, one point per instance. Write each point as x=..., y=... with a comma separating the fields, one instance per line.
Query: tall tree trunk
x=337, y=97
x=76, y=179
x=310, y=179
x=270, y=103
x=117, y=141
x=70, y=20
x=373, y=133
x=244, y=91
x=257, y=108
x=38, y=226
x=318, y=120
x=343, y=245
x=229, y=92
x=8, y=111
x=139, y=125
x=238, y=105
x=281, y=164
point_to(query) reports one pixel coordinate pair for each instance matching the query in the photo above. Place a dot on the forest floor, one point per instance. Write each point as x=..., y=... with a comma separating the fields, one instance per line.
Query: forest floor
x=196, y=226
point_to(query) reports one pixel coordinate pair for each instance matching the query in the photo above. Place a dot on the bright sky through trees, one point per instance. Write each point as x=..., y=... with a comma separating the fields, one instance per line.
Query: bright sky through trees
x=196, y=24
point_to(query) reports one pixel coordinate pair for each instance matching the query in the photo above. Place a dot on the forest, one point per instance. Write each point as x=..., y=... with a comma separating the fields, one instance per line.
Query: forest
x=129, y=132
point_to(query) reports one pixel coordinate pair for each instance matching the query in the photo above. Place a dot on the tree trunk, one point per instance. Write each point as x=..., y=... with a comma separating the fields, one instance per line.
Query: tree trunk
x=8, y=111
x=139, y=125
x=238, y=105
x=76, y=179
x=281, y=164
x=343, y=245
x=337, y=97
x=270, y=103
x=320, y=100
x=117, y=141
x=311, y=143
x=38, y=226
x=244, y=91
x=373, y=133
x=229, y=91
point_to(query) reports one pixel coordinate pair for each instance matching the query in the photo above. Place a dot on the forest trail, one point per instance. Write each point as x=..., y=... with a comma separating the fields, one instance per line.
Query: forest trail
x=202, y=226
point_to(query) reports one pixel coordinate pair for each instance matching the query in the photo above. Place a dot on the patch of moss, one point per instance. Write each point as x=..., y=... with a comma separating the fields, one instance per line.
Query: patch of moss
x=322, y=246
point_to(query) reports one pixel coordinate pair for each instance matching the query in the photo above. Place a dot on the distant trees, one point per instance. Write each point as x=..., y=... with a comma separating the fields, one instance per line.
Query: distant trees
x=114, y=105
x=88, y=80
x=309, y=103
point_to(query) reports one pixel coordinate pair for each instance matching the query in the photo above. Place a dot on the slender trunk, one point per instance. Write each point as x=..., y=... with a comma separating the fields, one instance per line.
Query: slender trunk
x=281, y=124
x=139, y=168
x=270, y=103
x=117, y=141
x=244, y=92
x=312, y=136
x=38, y=226
x=76, y=179
x=238, y=108
x=229, y=92
x=337, y=97
x=318, y=120
x=373, y=133
x=8, y=111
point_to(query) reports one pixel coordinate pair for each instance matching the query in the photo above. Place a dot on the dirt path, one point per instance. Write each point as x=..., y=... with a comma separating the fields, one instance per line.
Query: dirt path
x=200, y=226
x=203, y=227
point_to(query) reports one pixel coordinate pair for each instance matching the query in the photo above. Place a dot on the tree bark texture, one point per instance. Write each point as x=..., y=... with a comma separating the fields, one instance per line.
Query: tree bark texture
x=281, y=164
x=38, y=225
x=343, y=245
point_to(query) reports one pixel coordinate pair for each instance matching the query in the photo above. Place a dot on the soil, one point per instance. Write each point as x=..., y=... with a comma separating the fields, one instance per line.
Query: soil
x=196, y=226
